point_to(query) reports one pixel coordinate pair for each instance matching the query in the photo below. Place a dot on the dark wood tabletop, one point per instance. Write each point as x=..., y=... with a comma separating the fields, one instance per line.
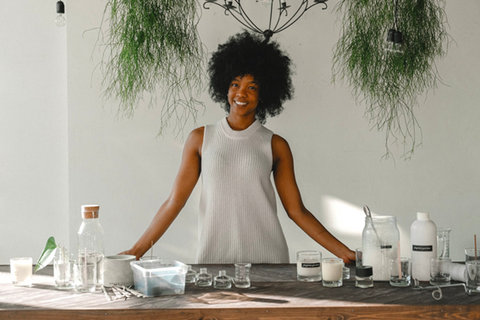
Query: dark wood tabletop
x=275, y=294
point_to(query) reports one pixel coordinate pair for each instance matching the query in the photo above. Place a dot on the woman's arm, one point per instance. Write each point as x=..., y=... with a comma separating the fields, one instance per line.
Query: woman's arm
x=185, y=181
x=284, y=176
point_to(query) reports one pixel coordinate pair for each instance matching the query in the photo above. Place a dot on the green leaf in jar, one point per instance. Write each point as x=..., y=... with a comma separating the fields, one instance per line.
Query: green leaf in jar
x=47, y=255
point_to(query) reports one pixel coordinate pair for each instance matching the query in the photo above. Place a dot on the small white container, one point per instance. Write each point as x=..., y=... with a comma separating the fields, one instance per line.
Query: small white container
x=159, y=277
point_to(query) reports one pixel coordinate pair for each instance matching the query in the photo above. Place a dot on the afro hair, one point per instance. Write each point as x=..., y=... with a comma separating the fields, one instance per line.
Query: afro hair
x=243, y=54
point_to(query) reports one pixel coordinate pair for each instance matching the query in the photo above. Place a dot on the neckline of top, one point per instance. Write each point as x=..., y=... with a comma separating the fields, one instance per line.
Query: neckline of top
x=239, y=134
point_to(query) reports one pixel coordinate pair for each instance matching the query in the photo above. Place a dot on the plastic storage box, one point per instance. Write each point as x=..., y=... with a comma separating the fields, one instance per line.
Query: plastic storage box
x=159, y=277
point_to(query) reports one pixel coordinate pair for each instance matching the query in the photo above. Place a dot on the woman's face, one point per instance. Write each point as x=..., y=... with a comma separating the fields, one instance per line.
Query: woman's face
x=243, y=95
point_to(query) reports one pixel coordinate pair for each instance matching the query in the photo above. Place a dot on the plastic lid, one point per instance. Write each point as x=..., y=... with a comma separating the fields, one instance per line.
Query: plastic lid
x=363, y=271
x=423, y=215
x=90, y=211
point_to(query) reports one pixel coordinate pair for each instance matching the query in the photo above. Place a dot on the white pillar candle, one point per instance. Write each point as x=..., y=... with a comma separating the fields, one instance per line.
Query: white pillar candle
x=332, y=269
x=21, y=271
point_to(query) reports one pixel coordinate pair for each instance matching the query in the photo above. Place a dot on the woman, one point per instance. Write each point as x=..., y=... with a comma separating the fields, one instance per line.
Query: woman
x=235, y=158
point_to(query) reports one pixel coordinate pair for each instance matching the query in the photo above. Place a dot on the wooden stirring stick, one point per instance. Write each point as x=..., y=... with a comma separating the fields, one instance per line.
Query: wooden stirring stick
x=475, y=240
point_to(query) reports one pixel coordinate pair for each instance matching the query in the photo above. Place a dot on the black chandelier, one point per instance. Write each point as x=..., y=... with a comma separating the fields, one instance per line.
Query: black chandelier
x=277, y=22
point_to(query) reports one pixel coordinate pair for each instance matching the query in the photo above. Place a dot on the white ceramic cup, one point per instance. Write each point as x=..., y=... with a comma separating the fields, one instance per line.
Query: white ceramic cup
x=117, y=270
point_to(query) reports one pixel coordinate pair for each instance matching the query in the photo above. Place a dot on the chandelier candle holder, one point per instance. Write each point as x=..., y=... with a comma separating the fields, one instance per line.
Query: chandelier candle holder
x=282, y=14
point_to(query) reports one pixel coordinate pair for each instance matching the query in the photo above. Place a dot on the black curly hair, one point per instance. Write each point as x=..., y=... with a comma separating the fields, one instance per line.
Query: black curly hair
x=246, y=53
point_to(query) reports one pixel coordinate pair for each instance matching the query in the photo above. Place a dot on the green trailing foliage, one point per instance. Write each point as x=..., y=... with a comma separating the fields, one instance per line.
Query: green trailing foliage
x=152, y=46
x=390, y=83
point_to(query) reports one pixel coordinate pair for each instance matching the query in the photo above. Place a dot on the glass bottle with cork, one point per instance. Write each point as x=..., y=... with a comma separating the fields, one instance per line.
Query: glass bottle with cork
x=90, y=249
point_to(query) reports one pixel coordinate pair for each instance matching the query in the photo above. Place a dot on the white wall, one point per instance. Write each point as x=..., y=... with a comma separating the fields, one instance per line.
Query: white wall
x=121, y=165
x=33, y=129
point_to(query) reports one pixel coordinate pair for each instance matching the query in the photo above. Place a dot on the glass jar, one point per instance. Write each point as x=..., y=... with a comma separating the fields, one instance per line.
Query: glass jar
x=380, y=240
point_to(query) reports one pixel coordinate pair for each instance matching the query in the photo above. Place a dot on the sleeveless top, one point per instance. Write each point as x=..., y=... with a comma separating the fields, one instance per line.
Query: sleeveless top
x=238, y=216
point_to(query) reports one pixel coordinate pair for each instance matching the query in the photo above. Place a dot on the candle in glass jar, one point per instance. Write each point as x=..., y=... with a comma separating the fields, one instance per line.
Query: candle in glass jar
x=309, y=265
x=332, y=269
x=21, y=271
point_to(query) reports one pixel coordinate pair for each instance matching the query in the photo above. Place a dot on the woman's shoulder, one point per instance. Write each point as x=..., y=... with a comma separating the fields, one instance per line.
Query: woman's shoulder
x=195, y=139
x=278, y=141
x=280, y=146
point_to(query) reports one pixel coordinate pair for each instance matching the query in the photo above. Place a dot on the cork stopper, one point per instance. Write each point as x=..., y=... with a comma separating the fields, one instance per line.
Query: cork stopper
x=90, y=211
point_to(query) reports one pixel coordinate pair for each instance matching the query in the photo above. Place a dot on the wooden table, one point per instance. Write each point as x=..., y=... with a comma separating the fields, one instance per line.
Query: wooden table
x=275, y=294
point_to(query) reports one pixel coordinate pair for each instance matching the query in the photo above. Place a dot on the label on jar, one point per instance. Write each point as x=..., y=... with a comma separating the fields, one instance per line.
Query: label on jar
x=310, y=264
x=422, y=248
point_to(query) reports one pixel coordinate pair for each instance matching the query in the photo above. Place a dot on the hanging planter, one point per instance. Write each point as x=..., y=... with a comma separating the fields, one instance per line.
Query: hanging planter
x=386, y=54
x=152, y=46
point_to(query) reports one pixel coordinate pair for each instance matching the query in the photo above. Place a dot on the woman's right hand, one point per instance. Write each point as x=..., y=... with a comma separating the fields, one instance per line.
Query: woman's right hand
x=130, y=252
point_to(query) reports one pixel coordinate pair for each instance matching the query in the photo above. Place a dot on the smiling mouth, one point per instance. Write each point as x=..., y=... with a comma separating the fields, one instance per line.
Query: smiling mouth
x=241, y=103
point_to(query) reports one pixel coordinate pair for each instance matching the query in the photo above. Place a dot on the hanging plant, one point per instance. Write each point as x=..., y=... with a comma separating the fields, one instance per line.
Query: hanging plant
x=388, y=80
x=153, y=46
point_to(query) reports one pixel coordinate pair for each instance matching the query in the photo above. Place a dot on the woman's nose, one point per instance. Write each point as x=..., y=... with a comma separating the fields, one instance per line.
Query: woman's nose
x=240, y=92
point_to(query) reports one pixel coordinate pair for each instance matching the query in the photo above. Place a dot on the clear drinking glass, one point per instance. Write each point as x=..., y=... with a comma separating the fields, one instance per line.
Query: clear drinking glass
x=439, y=271
x=473, y=276
x=309, y=266
x=470, y=254
x=21, y=271
x=332, y=272
x=85, y=276
x=400, y=272
x=242, y=275
x=63, y=269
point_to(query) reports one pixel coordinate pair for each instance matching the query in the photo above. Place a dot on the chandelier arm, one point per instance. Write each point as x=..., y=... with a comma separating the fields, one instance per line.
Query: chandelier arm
x=251, y=25
x=271, y=14
x=294, y=16
x=212, y=2
x=279, y=15
x=324, y=2
x=242, y=17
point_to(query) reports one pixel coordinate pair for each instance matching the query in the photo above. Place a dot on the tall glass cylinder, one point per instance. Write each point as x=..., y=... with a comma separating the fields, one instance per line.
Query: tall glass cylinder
x=380, y=239
x=443, y=242
x=90, y=246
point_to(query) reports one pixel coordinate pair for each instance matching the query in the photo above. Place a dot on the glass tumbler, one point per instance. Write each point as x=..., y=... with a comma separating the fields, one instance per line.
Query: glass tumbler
x=473, y=276
x=440, y=271
x=242, y=275
x=400, y=272
x=63, y=271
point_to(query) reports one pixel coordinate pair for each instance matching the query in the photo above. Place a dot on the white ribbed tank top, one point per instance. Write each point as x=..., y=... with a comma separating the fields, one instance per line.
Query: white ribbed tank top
x=238, y=219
